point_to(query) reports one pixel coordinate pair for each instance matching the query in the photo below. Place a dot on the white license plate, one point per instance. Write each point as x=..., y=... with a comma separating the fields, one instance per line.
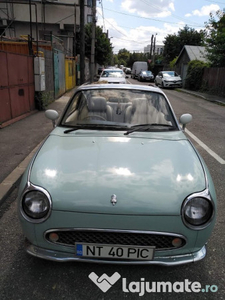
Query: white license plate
x=114, y=251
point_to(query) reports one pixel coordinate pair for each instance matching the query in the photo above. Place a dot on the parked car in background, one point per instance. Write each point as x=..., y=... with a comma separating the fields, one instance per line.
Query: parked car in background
x=168, y=79
x=137, y=67
x=117, y=181
x=127, y=70
x=145, y=76
x=114, y=75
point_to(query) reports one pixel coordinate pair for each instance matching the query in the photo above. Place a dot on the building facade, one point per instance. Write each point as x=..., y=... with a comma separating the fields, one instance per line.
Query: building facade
x=158, y=49
x=41, y=19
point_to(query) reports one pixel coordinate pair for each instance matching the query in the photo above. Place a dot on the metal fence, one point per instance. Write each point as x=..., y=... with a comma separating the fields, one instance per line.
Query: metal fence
x=16, y=85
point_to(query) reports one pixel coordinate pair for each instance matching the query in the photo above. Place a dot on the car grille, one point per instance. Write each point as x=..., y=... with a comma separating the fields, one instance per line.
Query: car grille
x=70, y=237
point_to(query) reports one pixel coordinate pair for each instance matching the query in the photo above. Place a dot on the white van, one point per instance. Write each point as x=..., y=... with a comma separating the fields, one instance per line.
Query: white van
x=137, y=67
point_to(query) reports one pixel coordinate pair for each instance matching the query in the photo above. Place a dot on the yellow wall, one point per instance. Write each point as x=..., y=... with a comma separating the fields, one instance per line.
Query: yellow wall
x=70, y=68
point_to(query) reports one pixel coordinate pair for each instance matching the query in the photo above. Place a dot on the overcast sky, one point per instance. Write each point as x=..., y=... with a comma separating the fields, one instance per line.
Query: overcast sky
x=131, y=23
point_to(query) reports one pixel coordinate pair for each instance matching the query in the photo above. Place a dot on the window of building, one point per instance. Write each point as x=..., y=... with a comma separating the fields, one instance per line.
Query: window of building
x=89, y=3
x=89, y=18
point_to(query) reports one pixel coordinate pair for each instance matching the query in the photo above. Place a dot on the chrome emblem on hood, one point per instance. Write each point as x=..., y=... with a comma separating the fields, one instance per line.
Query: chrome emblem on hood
x=113, y=199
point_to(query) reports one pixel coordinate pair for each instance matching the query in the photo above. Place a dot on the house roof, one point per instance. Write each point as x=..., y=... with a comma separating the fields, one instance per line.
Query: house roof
x=194, y=52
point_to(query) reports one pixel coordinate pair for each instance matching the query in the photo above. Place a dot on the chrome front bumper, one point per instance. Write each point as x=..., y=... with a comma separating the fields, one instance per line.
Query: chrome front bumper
x=164, y=261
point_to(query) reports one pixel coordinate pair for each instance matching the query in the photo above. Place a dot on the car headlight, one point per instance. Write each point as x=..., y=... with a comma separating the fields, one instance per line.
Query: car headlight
x=36, y=205
x=197, y=212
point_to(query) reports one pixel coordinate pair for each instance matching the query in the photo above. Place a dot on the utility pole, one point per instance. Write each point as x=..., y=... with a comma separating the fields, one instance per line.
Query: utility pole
x=151, y=45
x=93, y=41
x=30, y=40
x=153, y=61
x=82, y=43
x=74, y=31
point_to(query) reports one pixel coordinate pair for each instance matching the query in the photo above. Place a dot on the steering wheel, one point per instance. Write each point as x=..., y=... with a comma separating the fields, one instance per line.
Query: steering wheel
x=94, y=116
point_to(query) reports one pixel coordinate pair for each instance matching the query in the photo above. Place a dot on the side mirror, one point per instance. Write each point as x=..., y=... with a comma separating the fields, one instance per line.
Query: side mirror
x=185, y=119
x=52, y=115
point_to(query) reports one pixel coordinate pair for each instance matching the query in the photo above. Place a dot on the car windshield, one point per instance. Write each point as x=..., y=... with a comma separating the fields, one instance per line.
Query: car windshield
x=170, y=74
x=147, y=72
x=112, y=73
x=118, y=108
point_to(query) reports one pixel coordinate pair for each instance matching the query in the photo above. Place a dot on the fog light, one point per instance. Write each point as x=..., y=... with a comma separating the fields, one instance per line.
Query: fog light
x=53, y=237
x=177, y=242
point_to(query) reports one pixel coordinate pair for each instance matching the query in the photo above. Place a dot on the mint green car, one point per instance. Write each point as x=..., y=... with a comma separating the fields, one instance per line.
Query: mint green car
x=117, y=181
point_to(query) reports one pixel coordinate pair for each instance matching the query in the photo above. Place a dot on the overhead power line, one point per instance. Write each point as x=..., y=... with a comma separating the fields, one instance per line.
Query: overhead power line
x=127, y=38
x=151, y=19
x=173, y=15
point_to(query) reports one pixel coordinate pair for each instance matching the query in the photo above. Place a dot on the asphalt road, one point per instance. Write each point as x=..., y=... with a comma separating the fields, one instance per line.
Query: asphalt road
x=25, y=277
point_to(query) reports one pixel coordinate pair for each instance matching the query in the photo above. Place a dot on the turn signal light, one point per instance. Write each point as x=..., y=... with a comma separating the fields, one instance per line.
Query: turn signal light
x=53, y=237
x=177, y=242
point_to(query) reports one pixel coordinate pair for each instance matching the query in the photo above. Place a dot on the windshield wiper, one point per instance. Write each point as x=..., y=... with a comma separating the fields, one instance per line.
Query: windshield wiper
x=146, y=127
x=95, y=126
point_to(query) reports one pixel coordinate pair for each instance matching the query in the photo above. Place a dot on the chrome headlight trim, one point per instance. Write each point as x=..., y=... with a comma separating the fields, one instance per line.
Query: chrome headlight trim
x=31, y=187
x=205, y=195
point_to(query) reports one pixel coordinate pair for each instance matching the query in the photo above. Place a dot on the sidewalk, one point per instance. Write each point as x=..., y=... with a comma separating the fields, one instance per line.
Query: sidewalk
x=208, y=97
x=19, y=141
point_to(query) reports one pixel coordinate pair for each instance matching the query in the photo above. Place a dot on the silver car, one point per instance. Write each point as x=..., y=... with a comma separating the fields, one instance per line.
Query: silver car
x=113, y=76
x=168, y=79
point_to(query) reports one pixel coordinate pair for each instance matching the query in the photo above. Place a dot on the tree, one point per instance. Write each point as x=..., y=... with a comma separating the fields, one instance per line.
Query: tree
x=216, y=39
x=195, y=71
x=103, y=48
x=172, y=63
x=171, y=48
x=123, y=56
x=175, y=42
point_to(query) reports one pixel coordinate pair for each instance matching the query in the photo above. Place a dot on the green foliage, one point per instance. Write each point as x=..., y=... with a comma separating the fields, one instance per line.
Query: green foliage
x=175, y=42
x=172, y=63
x=216, y=39
x=123, y=57
x=171, y=47
x=103, y=48
x=43, y=99
x=194, y=75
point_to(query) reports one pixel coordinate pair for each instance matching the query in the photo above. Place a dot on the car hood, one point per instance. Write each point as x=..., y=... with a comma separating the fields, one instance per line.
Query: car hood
x=150, y=173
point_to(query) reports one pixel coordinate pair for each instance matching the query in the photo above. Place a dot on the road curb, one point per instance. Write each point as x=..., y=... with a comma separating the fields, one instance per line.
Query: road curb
x=13, y=179
x=219, y=102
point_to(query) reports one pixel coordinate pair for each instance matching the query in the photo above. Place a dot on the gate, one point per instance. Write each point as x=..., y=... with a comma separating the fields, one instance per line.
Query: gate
x=59, y=73
x=16, y=86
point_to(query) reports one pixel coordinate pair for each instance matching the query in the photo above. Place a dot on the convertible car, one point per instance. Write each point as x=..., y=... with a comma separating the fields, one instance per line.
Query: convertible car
x=117, y=181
